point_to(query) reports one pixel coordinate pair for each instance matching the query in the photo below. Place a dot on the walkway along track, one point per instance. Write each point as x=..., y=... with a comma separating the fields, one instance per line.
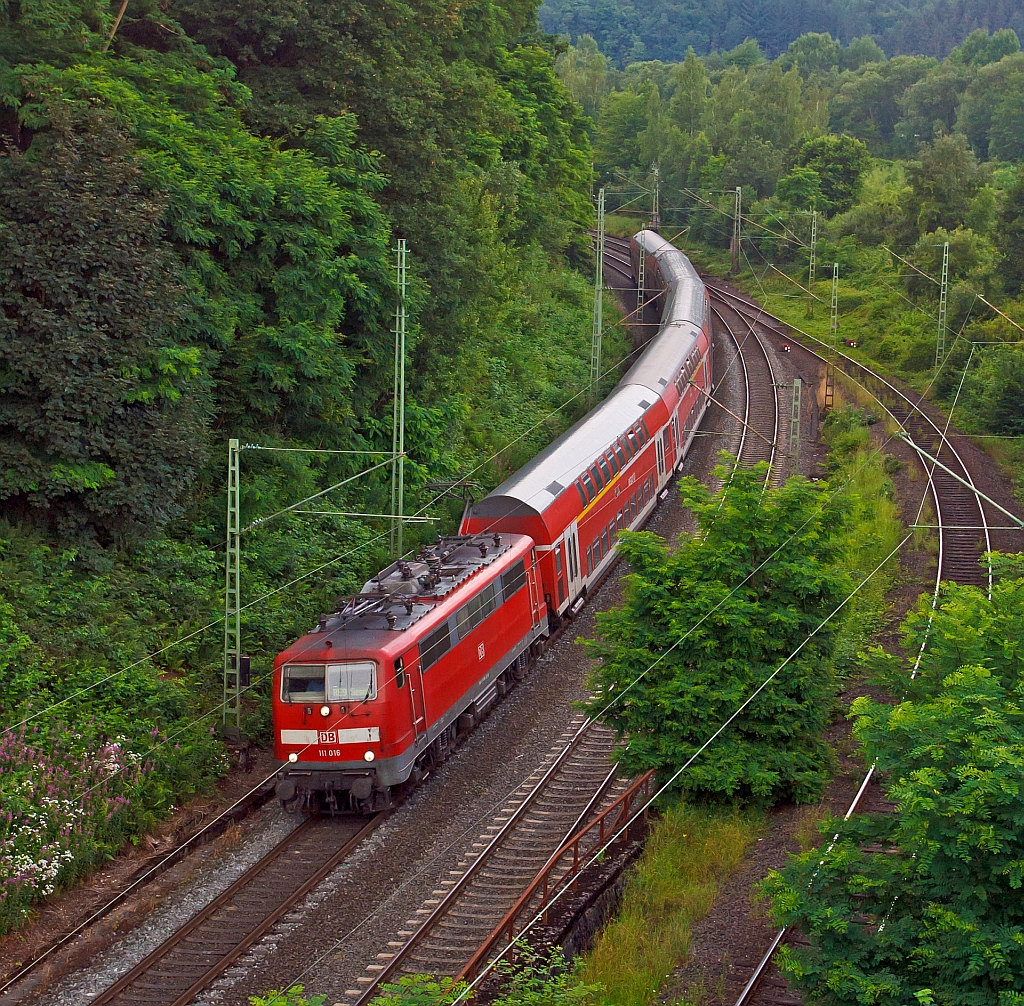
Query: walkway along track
x=963, y=522
x=206, y=946
x=462, y=916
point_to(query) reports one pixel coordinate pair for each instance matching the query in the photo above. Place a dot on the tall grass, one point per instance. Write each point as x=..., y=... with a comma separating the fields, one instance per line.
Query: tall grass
x=688, y=854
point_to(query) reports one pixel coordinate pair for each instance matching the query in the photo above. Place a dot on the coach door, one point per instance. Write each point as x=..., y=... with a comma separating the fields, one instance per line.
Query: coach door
x=572, y=556
x=414, y=682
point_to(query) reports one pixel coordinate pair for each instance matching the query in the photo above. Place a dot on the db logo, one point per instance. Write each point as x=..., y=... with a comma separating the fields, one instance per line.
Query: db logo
x=480, y=652
x=328, y=736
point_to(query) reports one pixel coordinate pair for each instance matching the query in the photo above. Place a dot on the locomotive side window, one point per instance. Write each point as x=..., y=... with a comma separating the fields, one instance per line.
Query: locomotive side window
x=435, y=646
x=355, y=682
x=303, y=683
x=513, y=579
x=399, y=673
x=474, y=611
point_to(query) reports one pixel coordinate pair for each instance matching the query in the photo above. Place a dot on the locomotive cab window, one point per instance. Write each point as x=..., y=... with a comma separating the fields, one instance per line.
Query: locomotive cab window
x=354, y=682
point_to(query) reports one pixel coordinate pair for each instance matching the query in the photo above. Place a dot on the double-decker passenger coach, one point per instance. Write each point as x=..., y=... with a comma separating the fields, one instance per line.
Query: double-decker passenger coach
x=382, y=689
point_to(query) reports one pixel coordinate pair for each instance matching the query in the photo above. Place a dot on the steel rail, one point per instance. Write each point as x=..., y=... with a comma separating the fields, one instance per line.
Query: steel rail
x=776, y=412
x=543, y=880
x=239, y=810
x=948, y=558
x=744, y=453
x=742, y=308
x=451, y=898
x=121, y=990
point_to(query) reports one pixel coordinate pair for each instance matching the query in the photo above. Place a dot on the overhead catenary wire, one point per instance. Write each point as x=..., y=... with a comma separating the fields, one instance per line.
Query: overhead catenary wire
x=619, y=695
x=567, y=884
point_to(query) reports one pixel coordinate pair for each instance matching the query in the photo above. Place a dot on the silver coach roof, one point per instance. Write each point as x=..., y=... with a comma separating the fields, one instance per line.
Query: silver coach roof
x=540, y=481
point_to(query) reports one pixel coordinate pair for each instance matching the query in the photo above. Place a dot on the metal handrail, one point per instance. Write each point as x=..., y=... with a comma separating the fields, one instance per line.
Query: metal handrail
x=506, y=928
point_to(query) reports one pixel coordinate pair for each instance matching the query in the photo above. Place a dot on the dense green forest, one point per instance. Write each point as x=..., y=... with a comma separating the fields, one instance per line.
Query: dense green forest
x=896, y=157
x=198, y=207
x=628, y=32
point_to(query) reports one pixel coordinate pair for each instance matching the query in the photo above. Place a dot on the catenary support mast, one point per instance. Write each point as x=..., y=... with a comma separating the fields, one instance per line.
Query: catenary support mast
x=398, y=408
x=595, y=338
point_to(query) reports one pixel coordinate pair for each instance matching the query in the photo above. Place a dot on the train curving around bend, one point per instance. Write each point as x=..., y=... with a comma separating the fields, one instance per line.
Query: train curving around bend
x=383, y=689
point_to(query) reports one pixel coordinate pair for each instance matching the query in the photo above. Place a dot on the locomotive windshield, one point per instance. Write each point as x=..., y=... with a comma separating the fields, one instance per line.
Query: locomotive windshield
x=355, y=682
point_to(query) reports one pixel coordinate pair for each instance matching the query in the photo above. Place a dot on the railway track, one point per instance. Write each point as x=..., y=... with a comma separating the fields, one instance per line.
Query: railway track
x=760, y=429
x=448, y=929
x=963, y=520
x=206, y=946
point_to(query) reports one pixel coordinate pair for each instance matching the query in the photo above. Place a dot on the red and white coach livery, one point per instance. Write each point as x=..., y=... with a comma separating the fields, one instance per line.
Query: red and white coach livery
x=604, y=474
x=382, y=689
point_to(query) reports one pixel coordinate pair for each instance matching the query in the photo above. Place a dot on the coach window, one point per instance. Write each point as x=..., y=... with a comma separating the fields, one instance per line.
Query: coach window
x=647, y=432
x=596, y=476
x=612, y=462
x=590, y=560
x=588, y=485
x=603, y=465
x=558, y=560
x=604, y=540
x=617, y=449
x=583, y=496
x=631, y=437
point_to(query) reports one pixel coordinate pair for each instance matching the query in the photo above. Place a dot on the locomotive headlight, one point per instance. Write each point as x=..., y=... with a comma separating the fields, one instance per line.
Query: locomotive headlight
x=369, y=756
x=325, y=710
x=293, y=757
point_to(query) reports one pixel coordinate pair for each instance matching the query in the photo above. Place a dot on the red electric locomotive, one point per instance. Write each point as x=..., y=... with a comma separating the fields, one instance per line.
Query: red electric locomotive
x=381, y=689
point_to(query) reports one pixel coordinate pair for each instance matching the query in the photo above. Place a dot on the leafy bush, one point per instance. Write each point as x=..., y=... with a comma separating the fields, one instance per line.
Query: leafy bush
x=65, y=795
x=706, y=623
x=926, y=903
